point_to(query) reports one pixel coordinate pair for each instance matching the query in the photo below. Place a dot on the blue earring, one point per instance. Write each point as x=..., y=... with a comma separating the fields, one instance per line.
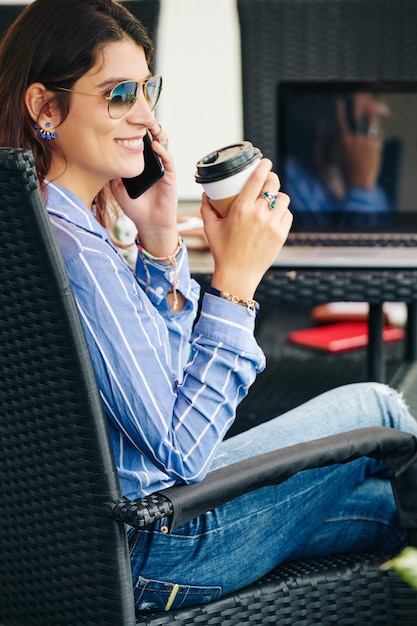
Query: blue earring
x=45, y=134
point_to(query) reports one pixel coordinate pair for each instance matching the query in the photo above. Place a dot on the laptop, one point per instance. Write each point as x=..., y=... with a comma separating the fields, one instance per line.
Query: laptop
x=347, y=157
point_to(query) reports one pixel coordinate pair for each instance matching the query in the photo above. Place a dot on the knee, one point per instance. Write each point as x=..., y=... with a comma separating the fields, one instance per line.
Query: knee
x=376, y=404
x=385, y=403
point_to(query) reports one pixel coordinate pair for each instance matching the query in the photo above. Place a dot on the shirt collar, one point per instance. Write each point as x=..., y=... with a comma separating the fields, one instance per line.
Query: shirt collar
x=67, y=206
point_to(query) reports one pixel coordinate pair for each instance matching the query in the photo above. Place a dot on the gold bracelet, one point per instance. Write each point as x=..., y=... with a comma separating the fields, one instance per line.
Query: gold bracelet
x=251, y=305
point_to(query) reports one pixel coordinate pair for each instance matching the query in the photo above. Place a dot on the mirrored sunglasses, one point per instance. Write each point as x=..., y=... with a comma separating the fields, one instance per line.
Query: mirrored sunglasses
x=124, y=95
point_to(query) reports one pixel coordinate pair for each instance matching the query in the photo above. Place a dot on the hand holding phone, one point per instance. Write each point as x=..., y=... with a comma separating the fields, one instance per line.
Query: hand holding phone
x=152, y=171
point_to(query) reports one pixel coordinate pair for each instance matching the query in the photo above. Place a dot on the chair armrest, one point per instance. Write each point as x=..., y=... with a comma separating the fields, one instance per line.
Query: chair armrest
x=142, y=512
x=185, y=502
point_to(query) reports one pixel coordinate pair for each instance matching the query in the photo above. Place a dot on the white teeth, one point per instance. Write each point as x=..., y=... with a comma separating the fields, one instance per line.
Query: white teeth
x=130, y=143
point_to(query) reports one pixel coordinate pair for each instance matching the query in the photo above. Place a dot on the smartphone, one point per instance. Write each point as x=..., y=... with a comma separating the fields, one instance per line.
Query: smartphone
x=152, y=171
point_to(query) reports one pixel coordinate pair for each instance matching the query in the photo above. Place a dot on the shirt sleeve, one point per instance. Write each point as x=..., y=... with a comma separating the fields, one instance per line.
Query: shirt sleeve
x=175, y=421
x=157, y=279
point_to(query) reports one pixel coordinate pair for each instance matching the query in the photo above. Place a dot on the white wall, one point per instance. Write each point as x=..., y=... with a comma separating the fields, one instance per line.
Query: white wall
x=198, y=54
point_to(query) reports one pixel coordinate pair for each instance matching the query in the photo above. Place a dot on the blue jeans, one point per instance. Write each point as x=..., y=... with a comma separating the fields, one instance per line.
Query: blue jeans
x=317, y=512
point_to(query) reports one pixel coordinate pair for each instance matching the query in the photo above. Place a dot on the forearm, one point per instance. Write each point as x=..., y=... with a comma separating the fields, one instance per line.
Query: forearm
x=178, y=426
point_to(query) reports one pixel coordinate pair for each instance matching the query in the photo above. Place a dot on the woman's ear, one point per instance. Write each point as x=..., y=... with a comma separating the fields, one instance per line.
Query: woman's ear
x=39, y=105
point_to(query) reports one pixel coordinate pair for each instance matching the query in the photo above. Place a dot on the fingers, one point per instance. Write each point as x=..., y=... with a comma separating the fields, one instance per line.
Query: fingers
x=282, y=211
x=280, y=214
x=262, y=174
x=260, y=193
x=269, y=192
x=279, y=201
x=261, y=182
x=160, y=135
x=160, y=147
x=275, y=202
x=208, y=212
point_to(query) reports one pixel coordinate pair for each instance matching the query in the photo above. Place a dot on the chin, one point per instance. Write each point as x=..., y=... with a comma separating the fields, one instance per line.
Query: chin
x=132, y=172
x=132, y=175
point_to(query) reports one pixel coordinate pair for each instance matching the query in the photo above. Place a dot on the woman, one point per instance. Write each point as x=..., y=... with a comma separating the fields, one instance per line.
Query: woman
x=65, y=66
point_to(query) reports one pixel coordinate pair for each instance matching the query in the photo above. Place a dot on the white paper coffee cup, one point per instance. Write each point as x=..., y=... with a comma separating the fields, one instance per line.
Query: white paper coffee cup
x=224, y=172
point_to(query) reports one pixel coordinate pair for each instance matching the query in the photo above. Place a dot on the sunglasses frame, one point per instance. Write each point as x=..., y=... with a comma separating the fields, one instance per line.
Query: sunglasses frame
x=140, y=87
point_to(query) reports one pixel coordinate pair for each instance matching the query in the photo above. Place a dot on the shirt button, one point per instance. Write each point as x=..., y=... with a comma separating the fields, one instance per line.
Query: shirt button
x=159, y=291
x=171, y=276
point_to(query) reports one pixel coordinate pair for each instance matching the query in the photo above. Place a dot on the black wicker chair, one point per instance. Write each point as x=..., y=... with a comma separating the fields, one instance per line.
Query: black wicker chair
x=146, y=10
x=8, y=12
x=63, y=552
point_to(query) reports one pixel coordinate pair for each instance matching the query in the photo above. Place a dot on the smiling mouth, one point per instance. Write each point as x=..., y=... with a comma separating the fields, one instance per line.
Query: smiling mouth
x=130, y=143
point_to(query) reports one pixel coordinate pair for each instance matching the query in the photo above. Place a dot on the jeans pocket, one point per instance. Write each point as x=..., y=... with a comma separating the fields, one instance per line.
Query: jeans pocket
x=157, y=595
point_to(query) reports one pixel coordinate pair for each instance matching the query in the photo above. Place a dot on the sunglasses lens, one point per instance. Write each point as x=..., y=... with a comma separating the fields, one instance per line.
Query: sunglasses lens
x=153, y=88
x=123, y=97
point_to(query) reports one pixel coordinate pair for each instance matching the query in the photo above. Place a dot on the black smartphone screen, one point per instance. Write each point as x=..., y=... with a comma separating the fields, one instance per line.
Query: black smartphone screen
x=152, y=172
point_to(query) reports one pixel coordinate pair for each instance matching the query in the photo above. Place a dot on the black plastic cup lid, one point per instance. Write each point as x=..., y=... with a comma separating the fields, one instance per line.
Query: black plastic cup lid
x=226, y=162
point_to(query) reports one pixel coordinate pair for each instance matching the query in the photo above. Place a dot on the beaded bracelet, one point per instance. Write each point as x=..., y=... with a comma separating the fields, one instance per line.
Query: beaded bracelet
x=251, y=305
x=171, y=260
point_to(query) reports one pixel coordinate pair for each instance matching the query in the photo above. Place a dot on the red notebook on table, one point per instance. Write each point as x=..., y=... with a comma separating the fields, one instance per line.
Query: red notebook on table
x=340, y=337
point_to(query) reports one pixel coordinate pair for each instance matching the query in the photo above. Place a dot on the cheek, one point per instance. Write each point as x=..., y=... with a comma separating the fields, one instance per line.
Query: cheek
x=86, y=121
x=77, y=142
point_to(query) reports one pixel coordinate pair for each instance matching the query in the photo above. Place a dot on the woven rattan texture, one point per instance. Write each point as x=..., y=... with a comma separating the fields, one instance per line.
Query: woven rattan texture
x=310, y=287
x=143, y=511
x=8, y=14
x=62, y=561
x=146, y=10
x=282, y=39
x=346, y=589
x=58, y=545
x=314, y=287
x=148, y=13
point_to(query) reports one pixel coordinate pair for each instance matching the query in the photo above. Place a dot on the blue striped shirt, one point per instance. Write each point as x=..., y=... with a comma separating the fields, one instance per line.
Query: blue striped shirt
x=170, y=392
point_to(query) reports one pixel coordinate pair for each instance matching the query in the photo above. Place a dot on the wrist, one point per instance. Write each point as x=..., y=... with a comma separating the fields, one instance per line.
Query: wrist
x=251, y=305
x=172, y=250
x=169, y=259
x=238, y=283
x=160, y=241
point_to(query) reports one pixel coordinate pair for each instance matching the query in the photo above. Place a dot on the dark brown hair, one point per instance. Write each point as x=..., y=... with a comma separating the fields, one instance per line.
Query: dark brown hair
x=55, y=42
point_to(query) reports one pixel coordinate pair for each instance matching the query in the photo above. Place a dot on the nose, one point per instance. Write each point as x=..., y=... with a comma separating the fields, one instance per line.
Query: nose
x=140, y=113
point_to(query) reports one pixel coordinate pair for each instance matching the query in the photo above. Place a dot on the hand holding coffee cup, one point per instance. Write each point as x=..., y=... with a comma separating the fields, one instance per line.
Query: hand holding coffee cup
x=224, y=172
x=245, y=244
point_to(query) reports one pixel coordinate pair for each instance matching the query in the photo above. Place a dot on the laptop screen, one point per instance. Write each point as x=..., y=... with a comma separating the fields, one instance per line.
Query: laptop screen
x=348, y=154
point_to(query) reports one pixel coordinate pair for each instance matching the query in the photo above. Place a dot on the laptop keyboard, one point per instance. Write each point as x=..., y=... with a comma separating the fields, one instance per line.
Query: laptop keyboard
x=348, y=239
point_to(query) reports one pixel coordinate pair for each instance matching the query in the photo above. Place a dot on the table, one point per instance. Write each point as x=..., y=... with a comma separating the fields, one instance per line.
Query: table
x=312, y=287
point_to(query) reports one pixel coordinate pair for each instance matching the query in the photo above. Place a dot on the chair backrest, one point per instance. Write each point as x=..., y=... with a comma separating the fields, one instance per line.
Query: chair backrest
x=146, y=10
x=148, y=13
x=8, y=13
x=63, y=560
x=300, y=39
